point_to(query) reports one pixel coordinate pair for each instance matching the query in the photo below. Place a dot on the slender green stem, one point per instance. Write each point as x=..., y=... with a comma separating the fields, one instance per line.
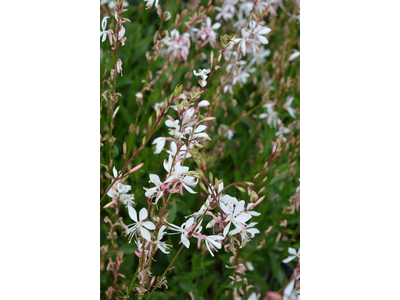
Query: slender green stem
x=133, y=280
x=166, y=270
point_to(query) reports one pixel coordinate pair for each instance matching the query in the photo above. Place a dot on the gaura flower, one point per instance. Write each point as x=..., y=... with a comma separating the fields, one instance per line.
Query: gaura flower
x=141, y=224
x=163, y=246
x=104, y=27
x=293, y=256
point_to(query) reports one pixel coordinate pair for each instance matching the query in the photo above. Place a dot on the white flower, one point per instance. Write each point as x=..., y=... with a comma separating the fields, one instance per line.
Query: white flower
x=227, y=10
x=289, y=109
x=154, y=192
x=185, y=227
x=141, y=225
x=227, y=133
x=158, y=105
x=259, y=32
x=289, y=293
x=211, y=242
x=293, y=256
x=271, y=115
x=104, y=27
x=251, y=212
x=197, y=134
x=202, y=72
x=245, y=231
x=111, y=3
x=119, y=191
x=259, y=56
x=178, y=45
x=150, y=3
x=235, y=215
x=249, y=266
x=207, y=33
x=182, y=151
x=163, y=246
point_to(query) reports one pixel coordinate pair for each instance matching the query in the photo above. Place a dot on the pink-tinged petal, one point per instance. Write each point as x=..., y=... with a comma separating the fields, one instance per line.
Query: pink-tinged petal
x=145, y=233
x=143, y=214
x=189, y=222
x=132, y=213
x=149, y=225
x=155, y=179
x=185, y=241
x=203, y=103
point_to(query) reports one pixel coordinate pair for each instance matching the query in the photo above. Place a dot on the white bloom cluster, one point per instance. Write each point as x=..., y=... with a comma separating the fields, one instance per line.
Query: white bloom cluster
x=118, y=192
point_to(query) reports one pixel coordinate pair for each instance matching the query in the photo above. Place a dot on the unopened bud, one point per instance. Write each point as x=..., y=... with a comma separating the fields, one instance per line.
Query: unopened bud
x=253, y=196
x=203, y=187
x=240, y=189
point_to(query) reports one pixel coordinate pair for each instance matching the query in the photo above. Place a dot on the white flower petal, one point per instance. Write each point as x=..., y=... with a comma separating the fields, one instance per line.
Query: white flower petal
x=143, y=214
x=145, y=233
x=149, y=225
x=290, y=258
x=185, y=241
x=132, y=213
